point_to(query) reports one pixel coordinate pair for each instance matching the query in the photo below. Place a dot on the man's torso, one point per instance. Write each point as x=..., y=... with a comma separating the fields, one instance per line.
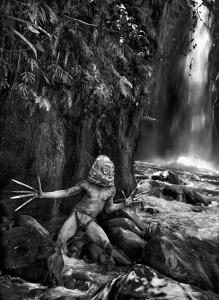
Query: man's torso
x=94, y=199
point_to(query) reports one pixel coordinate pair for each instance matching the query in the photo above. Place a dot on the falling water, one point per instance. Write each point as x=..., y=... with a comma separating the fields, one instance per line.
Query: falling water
x=184, y=130
x=191, y=128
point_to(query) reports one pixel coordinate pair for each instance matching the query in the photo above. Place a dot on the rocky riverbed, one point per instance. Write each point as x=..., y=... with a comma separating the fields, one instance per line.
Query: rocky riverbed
x=182, y=262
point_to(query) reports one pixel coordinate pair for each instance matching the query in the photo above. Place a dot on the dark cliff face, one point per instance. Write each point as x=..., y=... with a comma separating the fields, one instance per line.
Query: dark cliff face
x=171, y=77
x=174, y=42
x=61, y=147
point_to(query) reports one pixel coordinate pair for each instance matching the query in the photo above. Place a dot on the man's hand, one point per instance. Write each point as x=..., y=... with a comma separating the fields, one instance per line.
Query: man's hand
x=128, y=201
x=31, y=192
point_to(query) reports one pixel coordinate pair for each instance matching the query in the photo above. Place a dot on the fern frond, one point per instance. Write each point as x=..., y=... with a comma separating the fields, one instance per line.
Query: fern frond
x=26, y=41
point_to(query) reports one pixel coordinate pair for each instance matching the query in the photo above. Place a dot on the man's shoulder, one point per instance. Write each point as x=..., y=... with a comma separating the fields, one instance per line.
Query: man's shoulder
x=111, y=191
x=83, y=183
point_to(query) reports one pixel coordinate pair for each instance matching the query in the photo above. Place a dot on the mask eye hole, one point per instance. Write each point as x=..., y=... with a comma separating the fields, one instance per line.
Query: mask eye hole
x=105, y=170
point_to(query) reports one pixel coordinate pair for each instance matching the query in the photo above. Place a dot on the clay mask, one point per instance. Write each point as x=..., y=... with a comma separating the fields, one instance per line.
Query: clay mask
x=102, y=172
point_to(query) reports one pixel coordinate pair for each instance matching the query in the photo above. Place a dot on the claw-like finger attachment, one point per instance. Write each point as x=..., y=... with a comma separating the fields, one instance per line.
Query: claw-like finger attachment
x=21, y=192
x=123, y=194
x=25, y=203
x=22, y=196
x=21, y=183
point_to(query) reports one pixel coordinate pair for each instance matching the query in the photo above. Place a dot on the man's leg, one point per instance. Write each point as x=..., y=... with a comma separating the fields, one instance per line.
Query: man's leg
x=67, y=231
x=96, y=234
x=131, y=214
x=149, y=231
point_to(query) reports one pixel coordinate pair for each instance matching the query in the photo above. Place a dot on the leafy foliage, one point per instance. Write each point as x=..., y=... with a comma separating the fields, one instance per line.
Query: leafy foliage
x=100, y=49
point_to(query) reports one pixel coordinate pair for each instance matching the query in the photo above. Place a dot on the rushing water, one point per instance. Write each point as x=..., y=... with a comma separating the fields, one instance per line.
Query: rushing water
x=184, y=131
x=192, y=124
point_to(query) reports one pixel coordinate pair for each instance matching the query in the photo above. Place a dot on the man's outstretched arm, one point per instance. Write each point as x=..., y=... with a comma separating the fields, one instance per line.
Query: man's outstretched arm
x=61, y=193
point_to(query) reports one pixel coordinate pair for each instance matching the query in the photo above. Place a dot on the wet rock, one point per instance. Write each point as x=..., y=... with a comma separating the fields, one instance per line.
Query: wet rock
x=142, y=282
x=124, y=223
x=198, y=209
x=129, y=242
x=171, y=192
x=141, y=177
x=14, y=288
x=24, y=252
x=184, y=194
x=167, y=176
x=192, y=197
x=81, y=279
x=156, y=184
x=55, y=264
x=151, y=210
x=61, y=293
x=76, y=281
x=186, y=259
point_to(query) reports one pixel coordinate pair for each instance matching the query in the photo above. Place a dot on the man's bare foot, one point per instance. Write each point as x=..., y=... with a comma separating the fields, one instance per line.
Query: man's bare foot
x=152, y=231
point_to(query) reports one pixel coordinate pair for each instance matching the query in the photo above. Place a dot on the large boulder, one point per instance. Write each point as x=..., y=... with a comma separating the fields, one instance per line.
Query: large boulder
x=124, y=223
x=167, y=176
x=142, y=282
x=185, y=195
x=186, y=259
x=24, y=252
x=131, y=244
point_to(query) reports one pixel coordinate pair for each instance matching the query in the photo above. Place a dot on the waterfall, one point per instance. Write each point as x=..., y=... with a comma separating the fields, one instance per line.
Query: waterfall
x=184, y=131
x=191, y=127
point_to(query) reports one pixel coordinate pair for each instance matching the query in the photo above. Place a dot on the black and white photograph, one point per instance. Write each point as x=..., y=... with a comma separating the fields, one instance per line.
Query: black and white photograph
x=109, y=149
